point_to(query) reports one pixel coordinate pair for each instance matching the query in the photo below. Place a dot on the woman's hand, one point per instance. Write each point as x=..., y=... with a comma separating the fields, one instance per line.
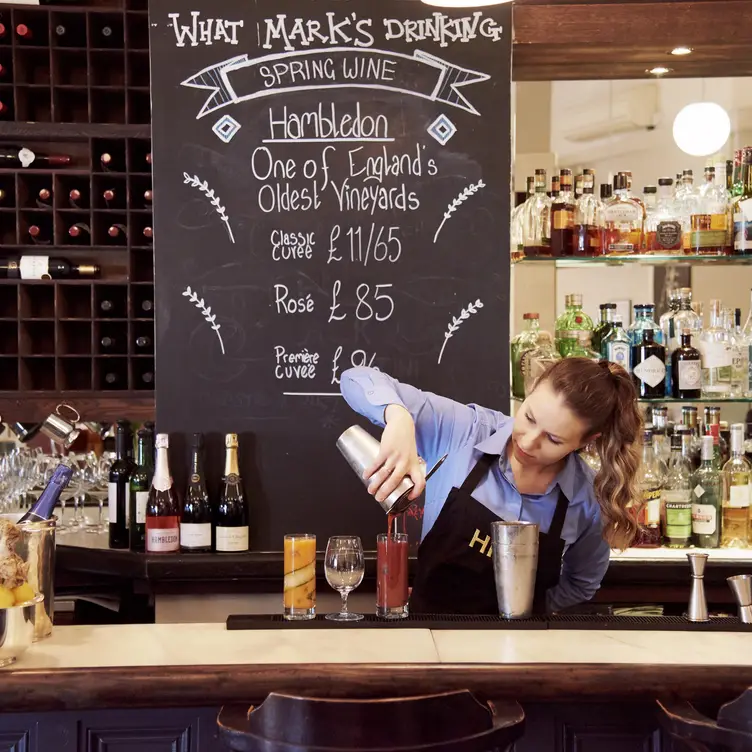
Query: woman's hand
x=397, y=458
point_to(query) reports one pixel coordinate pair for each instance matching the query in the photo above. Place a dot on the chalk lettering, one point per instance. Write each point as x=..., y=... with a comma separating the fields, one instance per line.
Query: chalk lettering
x=443, y=29
x=289, y=246
x=286, y=304
x=358, y=358
x=295, y=365
x=370, y=198
x=304, y=32
x=325, y=122
x=204, y=31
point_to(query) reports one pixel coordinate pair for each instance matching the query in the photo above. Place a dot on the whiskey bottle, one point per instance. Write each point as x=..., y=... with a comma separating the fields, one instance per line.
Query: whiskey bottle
x=537, y=234
x=686, y=369
x=708, y=234
x=588, y=219
x=562, y=217
x=664, y=230
x=735, y=499
x=623, y=220
x=649, y=367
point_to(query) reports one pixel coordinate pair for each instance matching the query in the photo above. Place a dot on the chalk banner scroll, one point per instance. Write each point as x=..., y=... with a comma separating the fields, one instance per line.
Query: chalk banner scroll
x=331, y=190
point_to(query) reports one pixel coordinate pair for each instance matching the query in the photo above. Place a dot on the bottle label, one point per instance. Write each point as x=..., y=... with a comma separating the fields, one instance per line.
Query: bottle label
x=563, y=219
x=743, y=226
x=704, y=519
x=678, y=508
x=618, y=352
x=739, y=497
x=141, y=498
x=232, y=538
x=651, y=509
x=34, y=267
x=112, y=502
x=162, y=539
x=690, y=375
x=715, y=355
x=668, y=236
x=623, y=212
x=195, y=534
x=651, y=371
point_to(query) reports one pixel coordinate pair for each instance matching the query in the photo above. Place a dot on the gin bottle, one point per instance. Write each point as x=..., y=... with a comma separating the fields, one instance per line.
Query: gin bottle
x=616, y=347
x=527, y=339
x=706, y=500
x=715, y=350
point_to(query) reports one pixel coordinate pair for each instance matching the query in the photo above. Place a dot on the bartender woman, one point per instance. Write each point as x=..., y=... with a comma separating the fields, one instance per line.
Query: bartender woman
x=501, y=468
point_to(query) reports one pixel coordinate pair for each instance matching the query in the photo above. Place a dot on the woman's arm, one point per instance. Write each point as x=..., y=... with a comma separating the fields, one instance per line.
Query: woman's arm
x=414, y=422
x=584, y=566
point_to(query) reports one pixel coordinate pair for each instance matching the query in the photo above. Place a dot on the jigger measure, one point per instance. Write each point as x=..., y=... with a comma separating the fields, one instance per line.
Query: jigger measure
x=360, y=449
x=741, y=586
x=698, y=605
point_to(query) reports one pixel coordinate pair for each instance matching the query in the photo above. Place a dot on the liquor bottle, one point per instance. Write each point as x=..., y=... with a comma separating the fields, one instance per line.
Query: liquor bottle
x=562, y=217
x=736, y=178
x=140, y=483
x=232, y=512
x=623, y=220
x=578, y=186
x=706, y=501
x=741, y=208
x=44, y=507
x=537, y=235
x=647, y=509
x=747, y=331
x=715, y=350
x=572, y=321
x=689, y=420
x=526, y=340
x=735, y=479
x=196, y=518
x=708, y=231
x=649, y=367
x=686, y=369
x=739, y=356
x=661, y=436
x=685, y=318
x=649, y=199
x=604, y=326
x=664, y=230
x=118, y=493
x=616, y=347
x=162, y=507
x=607, y=191
x=534, y=362
x=25, y=157
x=583, y=347
x=44, y=267
x=555, y=187
x=588, y=219
x=644, y=319
x=676, y=495
x=714, y=428
x=516, y=223
x=674, y=301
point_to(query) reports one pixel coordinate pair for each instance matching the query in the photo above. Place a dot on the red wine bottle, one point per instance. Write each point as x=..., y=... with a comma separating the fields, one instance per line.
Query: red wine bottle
x=44, y=198
x=79, y=231
x=116, y=231
x=44, y=267
x=118, y=491
x=25, y=157
x=108, y=195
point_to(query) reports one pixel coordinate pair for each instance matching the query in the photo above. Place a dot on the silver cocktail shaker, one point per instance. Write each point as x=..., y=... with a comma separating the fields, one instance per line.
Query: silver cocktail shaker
x=515, y=559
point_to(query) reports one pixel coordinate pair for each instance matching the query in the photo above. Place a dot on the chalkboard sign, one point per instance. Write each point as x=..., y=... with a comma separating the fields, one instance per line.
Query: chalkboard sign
x=332, y=188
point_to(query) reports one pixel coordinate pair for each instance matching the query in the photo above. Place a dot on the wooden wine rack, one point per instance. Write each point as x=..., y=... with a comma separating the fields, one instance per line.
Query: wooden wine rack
x=77, y=84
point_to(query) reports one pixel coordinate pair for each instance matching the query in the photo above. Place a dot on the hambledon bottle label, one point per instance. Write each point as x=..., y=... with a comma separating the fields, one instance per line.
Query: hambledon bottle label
x=162, y=539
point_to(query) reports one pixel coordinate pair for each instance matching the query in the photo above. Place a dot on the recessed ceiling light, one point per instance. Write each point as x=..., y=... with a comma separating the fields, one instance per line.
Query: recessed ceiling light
x=681, y=51
x=659, y=70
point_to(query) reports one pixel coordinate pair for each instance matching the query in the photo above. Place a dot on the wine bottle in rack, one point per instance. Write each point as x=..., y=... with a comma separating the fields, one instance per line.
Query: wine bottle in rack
x=148, y=233
x=44, y=508
x=143, y=343
x=140, y=483
x=108, y=343
x=196, y=516
x=3, y=31
x=148, y=196
x=118, y=489
x=147, y=378
x=147, y=307
x=117, y=232
x=44, y=267
x=112, y=380
x=232, y=511
x=37, y=235
x=77, y=198
x=24, y=32
x=80, y=232
x=162, y=508
x=3, y=196
x=44, y=198
x=148, y=159
x=109, y=196
x=25, y=157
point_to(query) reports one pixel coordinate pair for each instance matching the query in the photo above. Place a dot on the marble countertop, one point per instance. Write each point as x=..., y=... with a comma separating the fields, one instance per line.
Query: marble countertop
x=181, y=665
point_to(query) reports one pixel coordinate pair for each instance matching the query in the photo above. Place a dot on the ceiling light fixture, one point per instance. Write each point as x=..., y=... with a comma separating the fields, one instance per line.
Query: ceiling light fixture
x=702, y=128
x=464, y=3
x=659, y=70
x=681, y=51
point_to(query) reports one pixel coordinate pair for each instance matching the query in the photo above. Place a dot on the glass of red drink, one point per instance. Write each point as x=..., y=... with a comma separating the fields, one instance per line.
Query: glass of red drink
x=391, y=580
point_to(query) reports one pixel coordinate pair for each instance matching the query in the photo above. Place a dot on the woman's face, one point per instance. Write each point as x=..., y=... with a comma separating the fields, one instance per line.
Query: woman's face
x=545, y=429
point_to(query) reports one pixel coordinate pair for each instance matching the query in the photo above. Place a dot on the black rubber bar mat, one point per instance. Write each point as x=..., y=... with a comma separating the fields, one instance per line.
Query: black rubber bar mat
x=457, y=621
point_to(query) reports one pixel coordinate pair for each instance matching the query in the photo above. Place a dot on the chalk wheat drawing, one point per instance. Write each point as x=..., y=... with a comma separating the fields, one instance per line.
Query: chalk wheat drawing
x=457, y=202
x=457, y=322
x=203, y=186
x=210, y=317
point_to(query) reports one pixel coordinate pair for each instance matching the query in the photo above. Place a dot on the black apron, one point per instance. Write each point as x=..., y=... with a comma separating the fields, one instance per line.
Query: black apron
x=455, y=565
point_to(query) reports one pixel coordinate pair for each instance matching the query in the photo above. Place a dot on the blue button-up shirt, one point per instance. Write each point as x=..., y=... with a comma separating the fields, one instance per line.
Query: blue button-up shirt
x=465, y=432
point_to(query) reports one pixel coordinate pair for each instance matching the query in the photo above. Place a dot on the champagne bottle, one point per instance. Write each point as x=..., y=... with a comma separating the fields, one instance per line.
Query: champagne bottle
x=196, y=518
x=232, y=512
x=120, y=473
x=162, y=531
x=140, y=484
x=45, y=505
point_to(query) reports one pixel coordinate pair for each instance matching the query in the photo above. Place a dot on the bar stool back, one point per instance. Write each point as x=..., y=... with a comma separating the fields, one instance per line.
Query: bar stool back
x=448, y=722
x=732, y=732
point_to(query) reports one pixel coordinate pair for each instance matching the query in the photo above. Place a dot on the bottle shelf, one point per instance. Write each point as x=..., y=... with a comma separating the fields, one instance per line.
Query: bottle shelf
x=674, y=400
x=642, y=258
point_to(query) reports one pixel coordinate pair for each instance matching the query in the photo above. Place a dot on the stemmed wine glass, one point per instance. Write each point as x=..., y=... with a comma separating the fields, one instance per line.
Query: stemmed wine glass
x=344, y=566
